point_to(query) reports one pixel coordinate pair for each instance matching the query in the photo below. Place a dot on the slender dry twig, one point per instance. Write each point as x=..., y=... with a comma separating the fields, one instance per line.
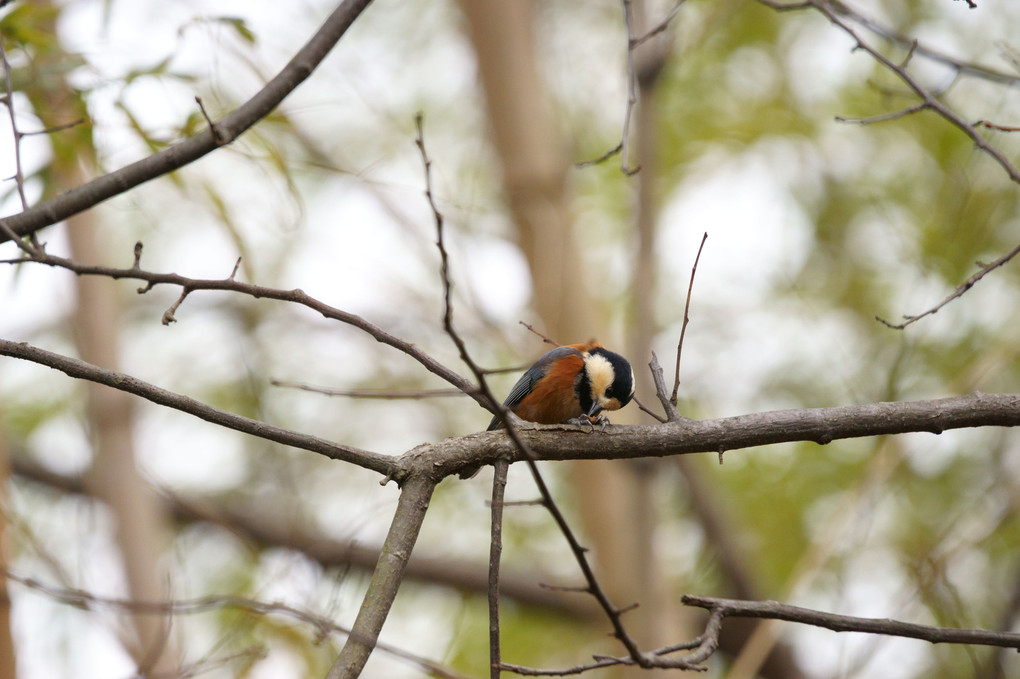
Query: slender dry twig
x=19, y=175
x=883, y=117
x=995, y=126
x=658, y=28
x=957, y=293
x=579, y=551
x=545, y=339
x=834, y=13
x=632, y=91
x=369, y=393
x=847, y=623
x=687, y=319
x=324, y=627
x=295, y=296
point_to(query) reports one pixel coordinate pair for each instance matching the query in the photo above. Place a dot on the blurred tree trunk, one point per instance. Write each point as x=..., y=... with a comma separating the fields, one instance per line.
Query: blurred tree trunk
x=141, y=529
x=535, y=173
x=8, y=661
x=114, y=476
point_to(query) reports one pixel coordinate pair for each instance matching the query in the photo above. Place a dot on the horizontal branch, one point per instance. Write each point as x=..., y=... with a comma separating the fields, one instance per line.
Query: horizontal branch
x=571, y=442
x=323, y=626
x=819, y=425
x=222, y=132
x=848, y=623
x=86, y=371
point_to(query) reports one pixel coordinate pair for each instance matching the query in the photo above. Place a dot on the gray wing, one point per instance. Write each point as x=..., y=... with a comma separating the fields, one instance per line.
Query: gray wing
x=528, y=379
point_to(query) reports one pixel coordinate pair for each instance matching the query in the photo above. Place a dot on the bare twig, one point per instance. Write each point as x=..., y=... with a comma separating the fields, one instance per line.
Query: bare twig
x=835, y=13
x=323, y=626
x=959, y=292
x=658, y=28
x=847, y=623
x=370, y=393
x=883, y=117
x=295, y=296
x=19, y=176
x=995, y=126
x=687, y=319
x=579, y=551
x=632, y=91
x=601, y=159
x=545, y=339
x=217, y=134
x=659, y=380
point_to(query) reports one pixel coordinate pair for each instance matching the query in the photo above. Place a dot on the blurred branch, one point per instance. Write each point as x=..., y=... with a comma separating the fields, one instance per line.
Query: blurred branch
x=323, y=626
x=262, y=527
x=177, y=156
x=834, y=12
x=369, y=393
x=960, y=66
x=847, y=623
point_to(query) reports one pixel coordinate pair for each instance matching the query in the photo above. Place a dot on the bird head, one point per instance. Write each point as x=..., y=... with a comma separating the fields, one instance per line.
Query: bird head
x=606, y=383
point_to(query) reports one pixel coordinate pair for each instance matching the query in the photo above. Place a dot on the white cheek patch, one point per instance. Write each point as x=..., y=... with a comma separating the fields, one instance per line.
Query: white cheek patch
x=600, y=376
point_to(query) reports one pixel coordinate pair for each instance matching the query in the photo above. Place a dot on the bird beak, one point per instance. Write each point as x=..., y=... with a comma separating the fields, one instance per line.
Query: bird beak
x=594, y=410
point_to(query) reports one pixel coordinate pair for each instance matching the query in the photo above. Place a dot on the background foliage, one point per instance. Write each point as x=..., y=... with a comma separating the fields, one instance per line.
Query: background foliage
x=815, y=227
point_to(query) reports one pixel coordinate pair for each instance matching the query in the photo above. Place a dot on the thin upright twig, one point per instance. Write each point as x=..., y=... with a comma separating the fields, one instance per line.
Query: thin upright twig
x=687, y=319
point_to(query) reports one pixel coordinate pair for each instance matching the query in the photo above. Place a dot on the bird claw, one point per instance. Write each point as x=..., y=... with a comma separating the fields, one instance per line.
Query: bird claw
x=582, y=420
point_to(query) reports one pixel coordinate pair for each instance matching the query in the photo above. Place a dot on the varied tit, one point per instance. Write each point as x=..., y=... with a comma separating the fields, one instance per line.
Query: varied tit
x=569, y=382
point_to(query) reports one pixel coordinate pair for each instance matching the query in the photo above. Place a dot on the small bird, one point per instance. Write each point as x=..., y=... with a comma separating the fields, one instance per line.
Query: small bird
x=571, y=384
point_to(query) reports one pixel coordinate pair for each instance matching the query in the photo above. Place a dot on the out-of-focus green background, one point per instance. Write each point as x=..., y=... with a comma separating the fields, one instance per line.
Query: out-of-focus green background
x=815, y=227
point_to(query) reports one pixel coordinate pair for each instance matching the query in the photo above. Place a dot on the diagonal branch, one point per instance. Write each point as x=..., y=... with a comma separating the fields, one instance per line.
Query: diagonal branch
x=387, y=576
x=832, y=12
x=86, y=371
x=177, y=156
x=296, y=296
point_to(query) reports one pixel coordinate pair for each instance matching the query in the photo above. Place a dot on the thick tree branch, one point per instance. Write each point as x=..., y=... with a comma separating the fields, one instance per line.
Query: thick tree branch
x=571, y=442
x=820, y=425
x=177, y=156
x=389, y=572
